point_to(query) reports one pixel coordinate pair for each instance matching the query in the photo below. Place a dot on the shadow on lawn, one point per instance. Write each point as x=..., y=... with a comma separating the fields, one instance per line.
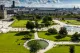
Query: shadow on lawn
x=21, y=33
x=48, y=34
x=59, y=37
x=25, y=38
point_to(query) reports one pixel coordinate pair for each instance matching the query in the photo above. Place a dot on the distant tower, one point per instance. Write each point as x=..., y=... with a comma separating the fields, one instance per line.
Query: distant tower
x=2, y=7
x=74, y=8
x=13, y=4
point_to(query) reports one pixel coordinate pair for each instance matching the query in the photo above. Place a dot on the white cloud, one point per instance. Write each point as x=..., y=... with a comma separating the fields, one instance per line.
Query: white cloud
x=28, y=2
x=59, y=1
x=66, y=5
x=39, y=3
x=9, y=2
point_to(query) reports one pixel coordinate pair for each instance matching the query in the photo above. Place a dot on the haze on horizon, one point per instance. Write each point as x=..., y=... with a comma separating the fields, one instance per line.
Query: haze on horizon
x=43, y=3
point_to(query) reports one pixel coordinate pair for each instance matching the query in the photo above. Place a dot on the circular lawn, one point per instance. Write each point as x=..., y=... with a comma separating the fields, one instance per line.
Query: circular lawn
x=42, y=43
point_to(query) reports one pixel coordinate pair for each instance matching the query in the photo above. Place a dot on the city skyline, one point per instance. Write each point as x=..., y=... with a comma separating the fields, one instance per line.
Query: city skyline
x=43, y=3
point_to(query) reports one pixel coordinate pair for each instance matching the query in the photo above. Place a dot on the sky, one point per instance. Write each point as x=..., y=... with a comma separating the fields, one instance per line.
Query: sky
x=43, y=3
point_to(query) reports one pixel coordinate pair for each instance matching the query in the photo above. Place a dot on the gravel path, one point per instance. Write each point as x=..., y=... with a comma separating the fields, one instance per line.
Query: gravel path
x=51, y=43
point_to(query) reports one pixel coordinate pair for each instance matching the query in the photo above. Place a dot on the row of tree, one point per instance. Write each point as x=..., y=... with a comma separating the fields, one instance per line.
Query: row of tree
x=62, y=32
x=46, y=21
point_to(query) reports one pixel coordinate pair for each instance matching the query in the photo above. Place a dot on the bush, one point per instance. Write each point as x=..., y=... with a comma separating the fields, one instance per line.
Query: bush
x=47, y=18
x=71, y=49
x=63, y=31
x=75, y=37
x=47, y=23
x=52, y=31
x=30, y=25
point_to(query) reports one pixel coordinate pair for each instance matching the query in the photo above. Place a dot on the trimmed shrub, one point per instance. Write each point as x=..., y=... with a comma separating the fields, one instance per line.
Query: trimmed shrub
x=52, y=31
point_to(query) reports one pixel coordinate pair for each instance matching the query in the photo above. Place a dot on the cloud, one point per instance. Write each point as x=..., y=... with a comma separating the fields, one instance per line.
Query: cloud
x=21, y=2
x=59, y=1
x=38, y=3
x=9, y=2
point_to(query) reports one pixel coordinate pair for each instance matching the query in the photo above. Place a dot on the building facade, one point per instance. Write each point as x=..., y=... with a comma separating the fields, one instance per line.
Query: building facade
x=3, y=12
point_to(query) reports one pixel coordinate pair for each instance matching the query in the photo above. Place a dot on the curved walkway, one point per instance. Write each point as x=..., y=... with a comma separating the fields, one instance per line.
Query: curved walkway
x=60, y=23
x=51, y=43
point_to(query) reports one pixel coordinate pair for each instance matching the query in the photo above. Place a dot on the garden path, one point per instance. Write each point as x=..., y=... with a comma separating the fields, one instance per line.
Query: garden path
x=51, y=43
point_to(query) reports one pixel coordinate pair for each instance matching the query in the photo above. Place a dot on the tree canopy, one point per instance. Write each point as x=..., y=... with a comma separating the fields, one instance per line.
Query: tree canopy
x=30, y=25
x=63, y=32
x=34, y=46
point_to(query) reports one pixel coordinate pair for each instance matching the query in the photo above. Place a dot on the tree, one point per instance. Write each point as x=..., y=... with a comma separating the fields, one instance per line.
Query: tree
x=18, y=16
x=50, y=18
x=63, y=32
x=30, y=25
x=71, y=49
x=42, y=25
x=36, y=24
x=47, y=23
x=34, y=46
x=63, y=19
x=47, y=18
x=52, y=31
x=38, y=17
x=75, y=37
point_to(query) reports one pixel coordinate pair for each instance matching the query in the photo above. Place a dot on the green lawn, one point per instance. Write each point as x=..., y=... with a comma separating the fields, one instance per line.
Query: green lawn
x=77, y=49
x=59, y=49
x=52, y=37
x=73, y=22
x=9, y=43
x=19, y=23
x=63, y=49
x=43, y=44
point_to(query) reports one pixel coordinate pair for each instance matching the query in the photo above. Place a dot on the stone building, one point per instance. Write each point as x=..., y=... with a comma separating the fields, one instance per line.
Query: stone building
x=3, y=12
